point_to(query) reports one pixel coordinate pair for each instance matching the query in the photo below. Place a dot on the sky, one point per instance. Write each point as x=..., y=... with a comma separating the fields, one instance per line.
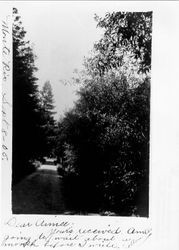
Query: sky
x=62, y=33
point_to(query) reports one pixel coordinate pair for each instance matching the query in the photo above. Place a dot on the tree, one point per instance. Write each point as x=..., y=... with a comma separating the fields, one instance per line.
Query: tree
x=47, y=99
x=26, y=112
x=49, y=125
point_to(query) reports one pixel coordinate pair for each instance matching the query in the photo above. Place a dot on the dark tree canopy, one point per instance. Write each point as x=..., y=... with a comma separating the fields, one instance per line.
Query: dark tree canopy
x=33, y=111
x=26, y=112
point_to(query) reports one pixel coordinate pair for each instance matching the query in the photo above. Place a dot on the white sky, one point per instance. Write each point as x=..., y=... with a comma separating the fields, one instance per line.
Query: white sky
x=62, y=34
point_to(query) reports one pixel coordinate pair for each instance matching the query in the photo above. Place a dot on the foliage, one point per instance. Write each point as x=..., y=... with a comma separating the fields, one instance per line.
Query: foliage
x=105, y=141
x=126, y=40
x=105, y=137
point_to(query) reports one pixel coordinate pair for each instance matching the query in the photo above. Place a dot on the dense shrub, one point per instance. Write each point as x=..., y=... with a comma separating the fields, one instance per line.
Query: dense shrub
x=107, y=144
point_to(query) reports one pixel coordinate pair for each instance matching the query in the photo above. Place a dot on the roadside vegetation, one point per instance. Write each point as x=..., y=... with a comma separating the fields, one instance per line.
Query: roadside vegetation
x=103, y=141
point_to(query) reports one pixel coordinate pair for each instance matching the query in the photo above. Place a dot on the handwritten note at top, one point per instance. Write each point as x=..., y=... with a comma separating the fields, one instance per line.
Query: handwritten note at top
x=6, y=77
x=57, y=233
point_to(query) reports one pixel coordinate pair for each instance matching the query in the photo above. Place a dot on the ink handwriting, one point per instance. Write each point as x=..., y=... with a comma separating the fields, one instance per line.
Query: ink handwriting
x=6, y=68
x=63, y=233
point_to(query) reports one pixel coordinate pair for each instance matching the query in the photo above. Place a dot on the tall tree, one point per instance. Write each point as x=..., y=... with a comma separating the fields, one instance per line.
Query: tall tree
x=49, y=124
x=47, y=99
x=26, y=114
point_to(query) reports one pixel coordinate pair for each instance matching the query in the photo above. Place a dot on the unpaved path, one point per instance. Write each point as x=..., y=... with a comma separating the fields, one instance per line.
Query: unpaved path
x=39, y=193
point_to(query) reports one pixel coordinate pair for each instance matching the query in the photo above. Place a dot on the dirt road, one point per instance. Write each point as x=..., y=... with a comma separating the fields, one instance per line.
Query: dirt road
x=39, y=193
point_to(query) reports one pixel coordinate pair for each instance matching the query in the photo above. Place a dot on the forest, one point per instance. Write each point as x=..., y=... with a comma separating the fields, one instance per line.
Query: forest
x=101, y=144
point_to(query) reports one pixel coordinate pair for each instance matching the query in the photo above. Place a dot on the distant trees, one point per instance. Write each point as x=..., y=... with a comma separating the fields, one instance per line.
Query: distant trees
x=47, y=110
x=105, y=137
x=47, y=101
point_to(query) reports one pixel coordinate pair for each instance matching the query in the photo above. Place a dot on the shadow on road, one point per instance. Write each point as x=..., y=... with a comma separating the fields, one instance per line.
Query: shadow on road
x=39, y=193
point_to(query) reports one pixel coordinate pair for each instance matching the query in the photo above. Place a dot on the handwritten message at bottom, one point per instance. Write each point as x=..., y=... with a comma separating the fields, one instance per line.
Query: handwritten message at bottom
x=63, y=233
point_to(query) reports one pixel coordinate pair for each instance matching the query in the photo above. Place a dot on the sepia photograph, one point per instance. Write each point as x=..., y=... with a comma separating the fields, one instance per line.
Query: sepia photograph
x=81, y=81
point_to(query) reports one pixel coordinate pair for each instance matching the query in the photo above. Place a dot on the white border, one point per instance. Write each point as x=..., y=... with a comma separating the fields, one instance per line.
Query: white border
x=164, y=203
